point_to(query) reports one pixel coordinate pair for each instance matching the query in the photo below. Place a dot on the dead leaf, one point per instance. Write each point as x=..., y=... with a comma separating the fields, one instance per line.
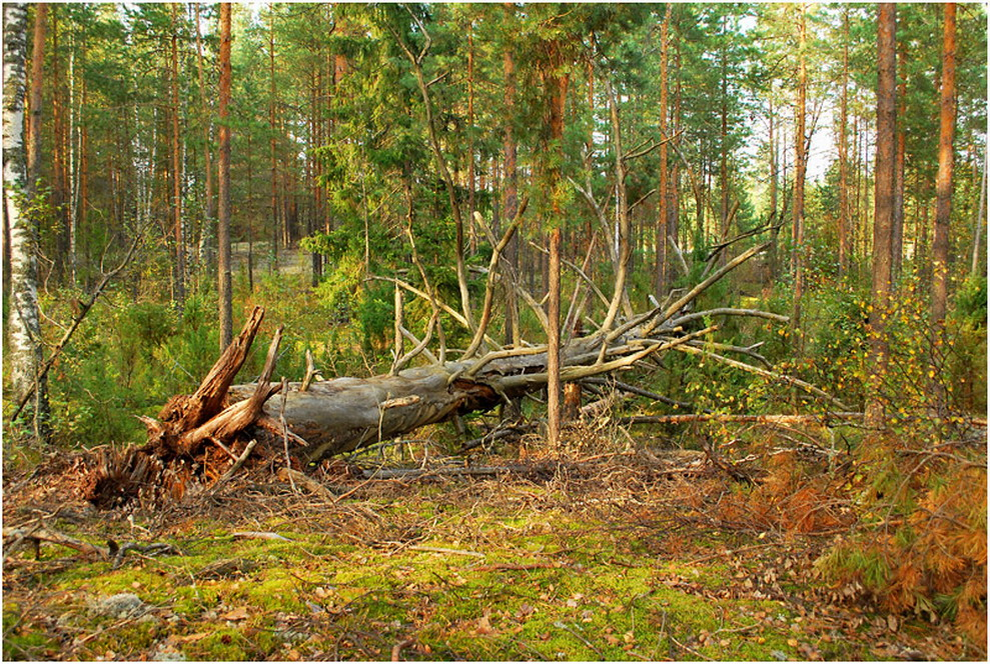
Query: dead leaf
x=892, y=623
x=237, y=614
x=188, y=638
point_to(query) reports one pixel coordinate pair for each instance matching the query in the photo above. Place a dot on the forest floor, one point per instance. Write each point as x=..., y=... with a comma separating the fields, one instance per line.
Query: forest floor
x=617, y=556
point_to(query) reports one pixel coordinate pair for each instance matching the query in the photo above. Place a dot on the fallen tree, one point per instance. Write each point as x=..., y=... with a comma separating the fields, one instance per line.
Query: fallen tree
x=316, y=420
x=209, y=435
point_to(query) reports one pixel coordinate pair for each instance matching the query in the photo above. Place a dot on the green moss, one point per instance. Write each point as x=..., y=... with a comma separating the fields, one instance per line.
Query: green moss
x=29, y=645
x=223, y=645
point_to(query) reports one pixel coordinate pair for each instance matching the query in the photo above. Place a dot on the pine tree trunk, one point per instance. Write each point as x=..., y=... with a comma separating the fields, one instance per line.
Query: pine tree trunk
x=943, y=201
x=844, y=150
x=510, y=190
x=273, y=260
x=800, y=166
x=223, y=226
x=209, y=207
x=473, y=244
x=663, y=197
x=176, y=195
x=883, y=217
x=553, y=343
x=897, y=232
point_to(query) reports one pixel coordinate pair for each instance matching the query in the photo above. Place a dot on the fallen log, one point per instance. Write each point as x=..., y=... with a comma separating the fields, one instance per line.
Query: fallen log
x=196, y=437
x=339, y=415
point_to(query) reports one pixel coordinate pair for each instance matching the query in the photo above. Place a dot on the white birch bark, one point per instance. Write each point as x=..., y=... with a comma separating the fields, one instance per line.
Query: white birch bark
x=23, y=349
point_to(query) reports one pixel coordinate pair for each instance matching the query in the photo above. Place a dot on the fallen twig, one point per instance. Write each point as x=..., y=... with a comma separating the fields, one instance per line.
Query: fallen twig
x=438, y=549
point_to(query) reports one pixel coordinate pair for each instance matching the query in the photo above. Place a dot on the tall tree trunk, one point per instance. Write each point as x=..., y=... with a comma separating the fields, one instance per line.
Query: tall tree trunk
x=470, y=146
x=673, y=205
x=510, y=189
x=209, y=208
x=897, y=232
x=273, y=256
x=800, y=166
x=981, y=212
x=883, y=217
x=20, y=177
x=180, y=251
x=223, y=226
x=943, y=184
x=723, y=170
x=553, y=343
x=772, y=150
x=59, y=196
x=83, y=164
x=663, y=196
x=844, y=150
x=72, y=208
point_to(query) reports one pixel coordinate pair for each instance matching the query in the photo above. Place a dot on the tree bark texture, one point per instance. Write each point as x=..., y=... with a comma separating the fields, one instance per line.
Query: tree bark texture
x=553, y=343
x=176, y=194
x=20, y=176
x=943, y=183
x=844, y=151
x=800, y=167
x=883, y=204
x=223, y=226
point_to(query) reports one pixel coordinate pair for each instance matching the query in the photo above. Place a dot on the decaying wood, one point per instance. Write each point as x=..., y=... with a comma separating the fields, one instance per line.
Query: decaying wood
x=316, y=420
x=35, y=533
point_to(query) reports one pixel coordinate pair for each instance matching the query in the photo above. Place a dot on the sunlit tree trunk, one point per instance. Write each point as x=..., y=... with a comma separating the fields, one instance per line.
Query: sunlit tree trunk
x=553, y=342
x=981, y=212
x=883, y=217
x=943, y=184
x=20, y=176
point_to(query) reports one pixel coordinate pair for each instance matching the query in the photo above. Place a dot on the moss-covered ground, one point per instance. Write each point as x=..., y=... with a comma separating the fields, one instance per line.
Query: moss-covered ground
x=561, y=568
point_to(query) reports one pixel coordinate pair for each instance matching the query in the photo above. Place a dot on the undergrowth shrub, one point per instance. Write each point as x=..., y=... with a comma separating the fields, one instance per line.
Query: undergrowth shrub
x=919, y=485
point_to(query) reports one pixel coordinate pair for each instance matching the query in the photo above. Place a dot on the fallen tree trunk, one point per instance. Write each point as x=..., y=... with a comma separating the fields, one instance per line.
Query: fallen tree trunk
x=325, y=418
x=210, y=434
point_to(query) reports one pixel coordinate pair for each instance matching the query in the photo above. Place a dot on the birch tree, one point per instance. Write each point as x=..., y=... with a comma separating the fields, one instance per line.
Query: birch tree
x=19, y=190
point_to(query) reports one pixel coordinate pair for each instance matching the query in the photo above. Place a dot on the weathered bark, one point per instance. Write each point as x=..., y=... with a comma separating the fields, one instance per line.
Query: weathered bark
x=342, y=414
x=943, y=204
x=553, y=345
x=223, y=225
x=884, y=208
